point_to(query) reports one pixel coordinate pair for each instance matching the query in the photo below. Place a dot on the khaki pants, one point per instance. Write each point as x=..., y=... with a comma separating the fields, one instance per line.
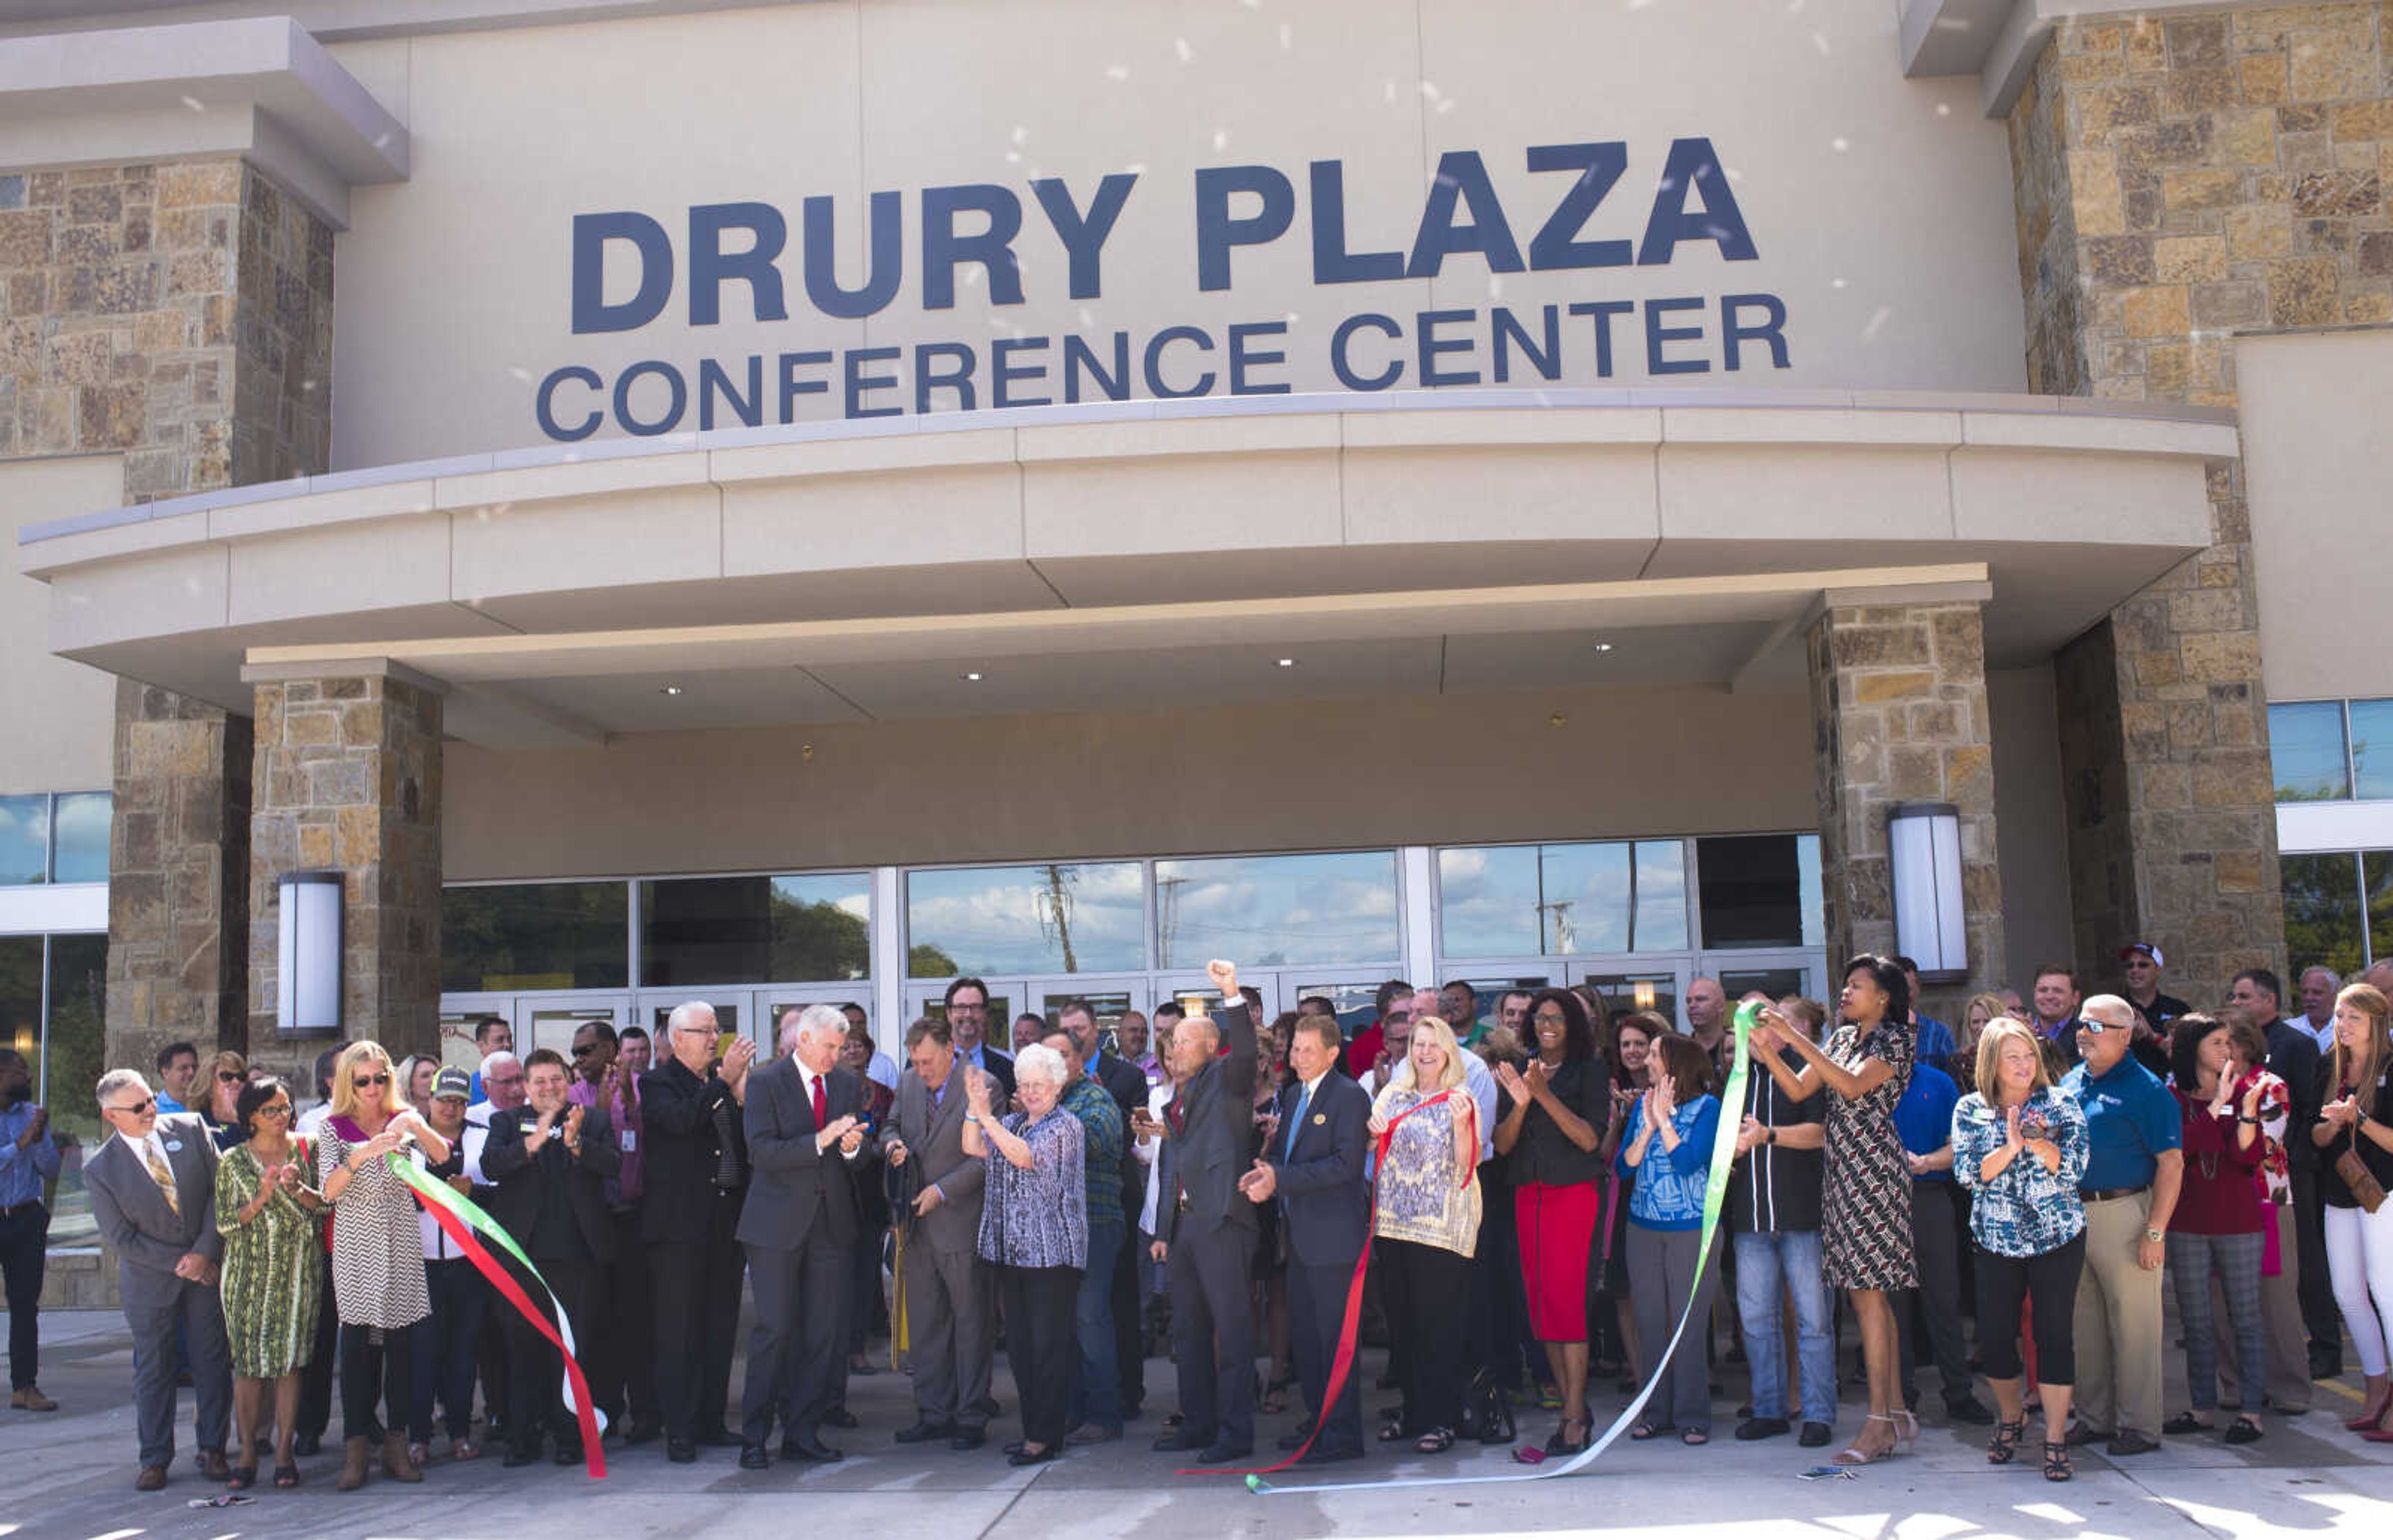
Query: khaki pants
x=2118, y=1324
x=2281, y=1316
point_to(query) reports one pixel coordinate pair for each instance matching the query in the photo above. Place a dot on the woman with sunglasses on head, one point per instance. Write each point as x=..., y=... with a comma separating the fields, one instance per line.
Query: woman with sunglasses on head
x=221, y=1079
x=2355, y=1118
x=377, y=1253
x=273, y=1271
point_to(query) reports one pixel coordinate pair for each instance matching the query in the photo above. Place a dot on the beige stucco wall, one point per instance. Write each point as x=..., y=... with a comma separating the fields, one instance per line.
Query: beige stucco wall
x=2029, y=835
x=61, y=714
x=2317, y=454
x=1424, y=769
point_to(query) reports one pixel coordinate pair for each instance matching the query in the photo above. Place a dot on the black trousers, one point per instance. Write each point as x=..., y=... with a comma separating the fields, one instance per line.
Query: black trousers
x=1935, y=1305
x=2319, y=1312
x=1422, y=1284
x=1130, y=1335
x=1213, y=1330
x=1316, y=1310
x=796, y=1349
x=316, y=1383
x=1042, y=1346
x=623, y=1354
x=695, y=1288
x=490, y=1358
x=2049, y=1283
x=377, y=1371
x=535, y=1372
x=24, y=1251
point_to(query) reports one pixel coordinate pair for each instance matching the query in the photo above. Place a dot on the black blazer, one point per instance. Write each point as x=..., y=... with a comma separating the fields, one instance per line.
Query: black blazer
x=795, y=1186
x=1321, y=1176
x=685, y=1152
x=519, y=1174
x=999, y=1068
x=1216, y=1141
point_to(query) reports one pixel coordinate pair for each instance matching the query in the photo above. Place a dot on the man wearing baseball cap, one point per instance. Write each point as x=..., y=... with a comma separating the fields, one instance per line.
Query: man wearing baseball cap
x=444, y=1343
x=2142, y=961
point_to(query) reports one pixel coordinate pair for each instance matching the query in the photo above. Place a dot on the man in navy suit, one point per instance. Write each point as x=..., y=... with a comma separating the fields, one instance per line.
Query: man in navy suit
x=1312, y=1161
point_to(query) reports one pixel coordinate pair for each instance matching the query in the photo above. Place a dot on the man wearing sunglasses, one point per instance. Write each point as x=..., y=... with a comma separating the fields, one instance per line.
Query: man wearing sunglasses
x=153, y=1188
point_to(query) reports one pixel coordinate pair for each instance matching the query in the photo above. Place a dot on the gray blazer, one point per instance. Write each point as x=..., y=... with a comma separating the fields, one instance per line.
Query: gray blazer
x=1216, y=1143
x=938, y=1144
x=148, y=1237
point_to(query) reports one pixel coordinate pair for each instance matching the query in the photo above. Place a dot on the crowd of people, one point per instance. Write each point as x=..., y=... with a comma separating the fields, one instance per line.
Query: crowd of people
x=1519, y=1183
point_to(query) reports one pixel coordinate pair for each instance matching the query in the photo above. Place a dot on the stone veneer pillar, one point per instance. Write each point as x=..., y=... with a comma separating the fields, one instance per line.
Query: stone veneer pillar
x=347, y=778
x=179, y=314
x=2179, y=180
x=1898, y=715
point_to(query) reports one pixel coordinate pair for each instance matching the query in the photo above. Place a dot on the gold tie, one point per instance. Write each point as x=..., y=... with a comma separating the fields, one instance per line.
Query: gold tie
x=163, y=1177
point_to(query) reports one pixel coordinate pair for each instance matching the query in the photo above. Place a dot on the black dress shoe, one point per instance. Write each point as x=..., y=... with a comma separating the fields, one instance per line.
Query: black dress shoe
x=1318, y=1456
x=2130, y=1442
x=1815, y=1435
x=752, y=1457
x=307, y=1444
x=681, y=1452
x=840, y=1417
x=1182, y=1441
x=1968, y=1409
x=968, y=1439
x=1752, y=1428
x=924, y=1432
x=1292, y=1441
x=1223, y=1453
x=2080, y=1435
x=1013, y=1448
x=810, y=1449
x=1023, y=1456
x=519, y=1456
x=720, y=1438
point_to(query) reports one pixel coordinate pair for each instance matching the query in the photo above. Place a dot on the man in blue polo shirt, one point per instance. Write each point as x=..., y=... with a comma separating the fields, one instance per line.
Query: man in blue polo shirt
x=1924, y=1121
x=2134, y=1166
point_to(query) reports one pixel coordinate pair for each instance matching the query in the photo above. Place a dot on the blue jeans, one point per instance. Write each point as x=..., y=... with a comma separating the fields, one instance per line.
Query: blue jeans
x=1096, y=1394
x=444, y=1350
x=1765, y=1264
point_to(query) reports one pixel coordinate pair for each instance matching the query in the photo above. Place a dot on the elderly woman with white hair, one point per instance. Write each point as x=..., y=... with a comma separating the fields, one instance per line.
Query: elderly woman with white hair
x=1034, y=1229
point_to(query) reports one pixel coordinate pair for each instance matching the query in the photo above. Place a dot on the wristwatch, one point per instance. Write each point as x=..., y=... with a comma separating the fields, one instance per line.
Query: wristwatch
x=1770, y=1136
x=2152, y=1234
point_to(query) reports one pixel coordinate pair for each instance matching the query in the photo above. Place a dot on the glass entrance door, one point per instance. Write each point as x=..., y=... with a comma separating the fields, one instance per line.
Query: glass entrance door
x=1195, y=992
x=1007, y=999
x=549, y=1021
x=1108, y=998
x=1638, y=983
x=1777, y=974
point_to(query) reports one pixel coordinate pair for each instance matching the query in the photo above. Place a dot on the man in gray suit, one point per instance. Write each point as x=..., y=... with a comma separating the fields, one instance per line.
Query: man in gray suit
x=947, y=1283
x=1205, y=1228
x=153, y=1191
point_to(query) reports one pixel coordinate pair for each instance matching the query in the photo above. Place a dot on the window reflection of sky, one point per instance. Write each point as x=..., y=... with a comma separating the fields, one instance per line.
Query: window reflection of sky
x=1550, y=900
x=24, y=839
x=81, y=833
x=1009, y=919
x=2306, y=751
x=850, y=891
x=1275, y=910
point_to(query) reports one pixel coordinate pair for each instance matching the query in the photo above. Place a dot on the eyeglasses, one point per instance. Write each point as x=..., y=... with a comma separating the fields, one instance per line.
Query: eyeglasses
x=275, y=1109
x=2098, y=1027
x=363, y=1081
x=1551, y=1018
x=227, y=1078
x=138, y=1108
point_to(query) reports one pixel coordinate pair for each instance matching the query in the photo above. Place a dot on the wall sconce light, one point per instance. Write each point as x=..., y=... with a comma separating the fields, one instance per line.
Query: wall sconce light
x=307, y=954
x=1642, y=993
x=1924, y=851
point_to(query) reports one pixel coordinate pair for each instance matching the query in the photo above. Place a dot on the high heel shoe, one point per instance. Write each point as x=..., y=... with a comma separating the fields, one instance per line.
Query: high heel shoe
x=2370, y=1417
x=2004, y=1446
x=1906, y=1430
x=1854, y=1454
x=2381, y=1433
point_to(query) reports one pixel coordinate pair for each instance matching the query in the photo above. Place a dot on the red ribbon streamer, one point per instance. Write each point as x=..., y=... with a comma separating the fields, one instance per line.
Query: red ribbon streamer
x=594, y=1457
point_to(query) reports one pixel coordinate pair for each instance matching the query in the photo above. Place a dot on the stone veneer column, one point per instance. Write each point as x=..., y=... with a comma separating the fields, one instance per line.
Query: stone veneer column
x=178, y=876
x=1898, y=715
x=2178, y=182
x=349, y=779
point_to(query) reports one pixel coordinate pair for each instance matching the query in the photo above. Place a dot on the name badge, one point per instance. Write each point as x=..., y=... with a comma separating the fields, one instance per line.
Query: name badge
x=174, y=1146
x=1320, y=1118
x=631, y=1140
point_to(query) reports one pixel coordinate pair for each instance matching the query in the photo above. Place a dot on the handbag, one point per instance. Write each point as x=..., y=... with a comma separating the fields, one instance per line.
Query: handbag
x=2366, y=1191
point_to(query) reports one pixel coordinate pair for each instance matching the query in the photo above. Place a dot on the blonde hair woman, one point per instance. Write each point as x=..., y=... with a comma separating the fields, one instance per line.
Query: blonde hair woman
x=222, y=1078
x=1982, y=1011
x=1428, y=1226
x=2358, y=1101
x=377, y=1252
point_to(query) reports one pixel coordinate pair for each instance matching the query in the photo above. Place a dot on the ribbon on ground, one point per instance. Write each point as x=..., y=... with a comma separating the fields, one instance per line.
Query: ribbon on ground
x=1343, y=1363
x=464, y=1222
x=901, y=1337
x=1714, y=1201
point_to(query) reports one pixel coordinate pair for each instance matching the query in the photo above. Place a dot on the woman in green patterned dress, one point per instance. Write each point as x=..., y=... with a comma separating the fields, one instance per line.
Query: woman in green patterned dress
x=273, y=1271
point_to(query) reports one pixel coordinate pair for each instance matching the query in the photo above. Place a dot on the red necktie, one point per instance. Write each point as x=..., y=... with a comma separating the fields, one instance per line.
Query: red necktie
x=822, y=1106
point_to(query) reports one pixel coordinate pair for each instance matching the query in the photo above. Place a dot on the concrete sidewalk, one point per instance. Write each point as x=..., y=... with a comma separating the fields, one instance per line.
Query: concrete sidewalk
x=69, y=1474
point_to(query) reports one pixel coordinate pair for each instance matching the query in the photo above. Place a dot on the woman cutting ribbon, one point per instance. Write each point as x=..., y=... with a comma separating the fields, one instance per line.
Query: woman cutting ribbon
x=1429, y=1225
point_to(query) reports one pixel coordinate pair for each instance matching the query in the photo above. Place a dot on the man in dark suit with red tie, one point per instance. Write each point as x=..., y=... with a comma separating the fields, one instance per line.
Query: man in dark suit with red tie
x=806, y=1141
x=1313, y=1164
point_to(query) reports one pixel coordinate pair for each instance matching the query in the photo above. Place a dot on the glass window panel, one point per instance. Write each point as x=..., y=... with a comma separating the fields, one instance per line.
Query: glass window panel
x=1776, y=983
x=1492, y=990
x=1356, y=1001
x=1752, y=890
x=1661, y=896
x=73, y=1058
x=553, y=1026
x=2379, y=870
x=1107, y=1005
x=727, y=1021
x=1626, y=992
x=2322, y=917
x=2306, y=751
x=24, y=839
x=741, y=929
x=1487, y=900
x=1058, y=918
x=79, y=837
x=2371, y=747
x=1270, y=910
x=1556, y=900
x=458, y=1048
x=535, y=935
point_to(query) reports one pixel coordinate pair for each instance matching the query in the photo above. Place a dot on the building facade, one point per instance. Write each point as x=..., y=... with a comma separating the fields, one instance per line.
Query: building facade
x=806, y=501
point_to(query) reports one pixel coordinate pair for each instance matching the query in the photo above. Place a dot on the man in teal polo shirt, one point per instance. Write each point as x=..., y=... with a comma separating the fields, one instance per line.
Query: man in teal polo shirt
x=2134, y=1167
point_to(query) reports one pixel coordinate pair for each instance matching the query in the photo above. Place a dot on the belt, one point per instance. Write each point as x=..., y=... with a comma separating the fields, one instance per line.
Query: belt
x=2100, y=1194
x=12, y=1210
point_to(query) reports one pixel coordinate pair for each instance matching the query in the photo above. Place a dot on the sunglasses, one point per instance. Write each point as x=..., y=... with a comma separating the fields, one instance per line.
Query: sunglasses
x=583, y=1050
x=2098, y=1028
x=363, y=1081
x=138, y=1108
x=227, y=1078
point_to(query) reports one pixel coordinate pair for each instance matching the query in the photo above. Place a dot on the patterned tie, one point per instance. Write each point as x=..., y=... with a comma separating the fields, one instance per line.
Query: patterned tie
x=163, y=1176
x=822, y=1104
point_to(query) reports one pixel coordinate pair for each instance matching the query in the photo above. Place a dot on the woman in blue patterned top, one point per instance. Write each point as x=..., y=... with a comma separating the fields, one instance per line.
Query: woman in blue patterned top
x=2019, y=1146
x=1669, y=1146
x=1034, y=1229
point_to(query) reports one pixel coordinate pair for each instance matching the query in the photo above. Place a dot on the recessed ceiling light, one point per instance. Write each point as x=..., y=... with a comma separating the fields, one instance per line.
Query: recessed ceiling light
x=670, y=690
x=1603, y=647
x=974, y=678
x=1287, y=662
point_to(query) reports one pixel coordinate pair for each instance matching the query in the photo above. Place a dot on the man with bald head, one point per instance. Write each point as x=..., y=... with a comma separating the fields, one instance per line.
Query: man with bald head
x=2135, y=1164
x=1707, y=1010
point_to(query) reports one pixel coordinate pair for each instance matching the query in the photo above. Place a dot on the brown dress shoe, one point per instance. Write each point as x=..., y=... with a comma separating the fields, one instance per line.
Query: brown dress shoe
x=31, y=1398
x=214, y=1467
x=152, y=1479
x=395, y=1458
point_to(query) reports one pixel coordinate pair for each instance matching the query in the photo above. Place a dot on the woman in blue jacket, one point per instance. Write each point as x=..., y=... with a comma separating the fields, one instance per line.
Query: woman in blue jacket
x=1669, y=1146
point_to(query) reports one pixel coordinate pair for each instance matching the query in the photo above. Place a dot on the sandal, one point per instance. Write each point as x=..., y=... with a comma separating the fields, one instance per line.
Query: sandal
x=2056, y=1462
x=286, y=1476
x=2243, y=1431
x=1853, y=1454
x=1437, y=1441
x=2004, y=1446
x=1644, y=1430
x=464, y=1449
x=244, y=1478
x=1562, y=1444
x=1694, y=1436
x=2184, y=1423
x=1390, y=1430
